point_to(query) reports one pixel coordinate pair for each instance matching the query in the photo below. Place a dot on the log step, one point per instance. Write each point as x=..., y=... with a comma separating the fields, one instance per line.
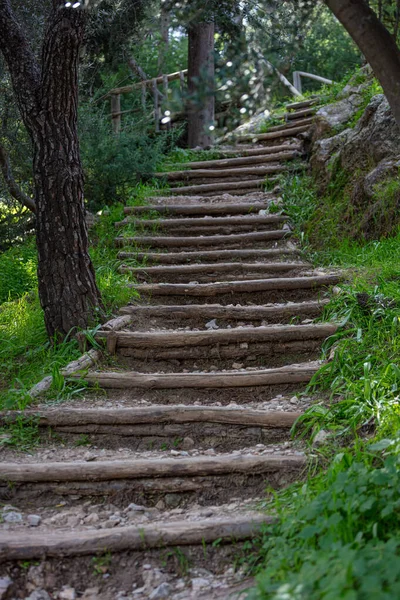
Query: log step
x=257, y=171
x=70, y=417
x=204, y=312
x=146, y=468
x=284, y=126
x=199, y=209
x=186, y=339
x=257, y=151
x=211, y=255
x=229, y=287
x=204, y=221
x=302, y=104
x=209, y=270
x=272, y=135
x=215, y=188
x=242, y=160
x=16, y=545
x=299, y=114
x=210, y=240
x=229, y=379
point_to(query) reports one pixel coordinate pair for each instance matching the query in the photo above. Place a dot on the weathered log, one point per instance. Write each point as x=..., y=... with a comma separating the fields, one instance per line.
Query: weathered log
x=204, y=221
x=152, y=467
x=211, y=255
x=302, y=104
x=273, y=135
x=284, y=126
x=228, y=287
x=299, y=114
x=28, y=546
x=185, y=339
x=209, y=240
x=216, y=311
x=63, y=417
x=262, y=150
x=218, y=187
x=208, y=268
x=242, y=160
x=126, y=380
x=227, y=351
x=258, y=171
x=199, y=209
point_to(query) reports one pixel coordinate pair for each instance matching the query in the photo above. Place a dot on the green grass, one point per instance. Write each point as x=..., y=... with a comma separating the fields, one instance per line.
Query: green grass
x=26, y=354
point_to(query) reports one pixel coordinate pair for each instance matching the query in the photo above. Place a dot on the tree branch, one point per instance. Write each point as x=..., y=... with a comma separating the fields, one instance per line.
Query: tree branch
x=12, y=186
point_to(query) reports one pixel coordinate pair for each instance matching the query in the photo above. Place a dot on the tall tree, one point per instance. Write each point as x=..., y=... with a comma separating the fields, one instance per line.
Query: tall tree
x=375, y=42
x=201, y=105
x=47, y=97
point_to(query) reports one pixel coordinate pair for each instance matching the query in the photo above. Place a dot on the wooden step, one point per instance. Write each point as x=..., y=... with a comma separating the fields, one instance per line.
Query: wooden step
x=299, y=114
x=229, y=287
x=229, y=379
x=199, y=209
x=17, y=545
x=302, y=104
x=284, y=126
x=239, y=239
x=272, y=135
x=258, y=150
x=242, y=160
x=206, y=312
x=187, y=339
x=215, y=188
x=210, y=270
x=204, y=222
x=256, y=171
x=211, y=255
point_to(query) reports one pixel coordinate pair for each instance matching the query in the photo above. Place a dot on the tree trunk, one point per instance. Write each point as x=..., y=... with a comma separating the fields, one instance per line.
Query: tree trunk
x=375, y=42
x=165, y=19
x=48, y=100
x=201, y=84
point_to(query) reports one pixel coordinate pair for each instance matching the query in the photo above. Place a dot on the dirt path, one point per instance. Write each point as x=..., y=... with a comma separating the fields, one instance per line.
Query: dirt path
x=149, y=486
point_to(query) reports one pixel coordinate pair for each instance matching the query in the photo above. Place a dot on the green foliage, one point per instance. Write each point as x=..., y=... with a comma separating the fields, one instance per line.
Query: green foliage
x=115, y=164
x=21, y=433
x=18, y=271
x=337, y=535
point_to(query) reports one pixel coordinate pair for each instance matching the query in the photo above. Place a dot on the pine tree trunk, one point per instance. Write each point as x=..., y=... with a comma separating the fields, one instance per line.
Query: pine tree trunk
x=375, y=42
x=165, y=21
x=201, y=104
x=48, y=100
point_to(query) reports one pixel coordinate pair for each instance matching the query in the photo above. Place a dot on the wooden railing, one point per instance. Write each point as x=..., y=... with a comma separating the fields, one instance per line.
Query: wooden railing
x=297, y=75
x=145, y=86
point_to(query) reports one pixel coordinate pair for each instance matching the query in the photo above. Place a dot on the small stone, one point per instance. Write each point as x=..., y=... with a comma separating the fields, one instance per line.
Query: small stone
x=210, y=452
x=212, y=324
x=162, y=591
x=12, y=517
x=91, y=593
x=67, y=593
x=187, y=443
x=135, y=508
x=8, y=508
x=293, y=400
x=172, y=500
x=160, y=505
x=236, y=365
x=5, y=584
x=38, y=595
x=244, y=345
x=92, y=519
x=34, y=520
x=336, y=290
x=146, y=567
x=320, y=438
x=198, y=583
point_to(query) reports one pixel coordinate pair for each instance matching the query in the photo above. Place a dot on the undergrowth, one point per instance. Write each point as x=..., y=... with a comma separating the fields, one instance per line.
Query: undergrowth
x=338, y=535
x=26, y=354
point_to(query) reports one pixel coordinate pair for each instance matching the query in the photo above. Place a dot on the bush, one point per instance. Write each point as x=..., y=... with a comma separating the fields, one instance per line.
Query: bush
x=114, y=164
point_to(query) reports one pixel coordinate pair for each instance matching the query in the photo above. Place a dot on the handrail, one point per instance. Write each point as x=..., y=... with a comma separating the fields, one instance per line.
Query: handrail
x=146, y=82
x=297, y=75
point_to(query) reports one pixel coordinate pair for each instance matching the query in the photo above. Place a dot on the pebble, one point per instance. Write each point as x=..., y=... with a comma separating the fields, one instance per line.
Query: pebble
x=12, y=517
x=187, y=443
x=135, y=508
x=67, y=593
x=34, y=520
x=162, y=591
x=38, y=595
x=293, y=400
x=320, y=438
x=5, y=584
x=199, y=583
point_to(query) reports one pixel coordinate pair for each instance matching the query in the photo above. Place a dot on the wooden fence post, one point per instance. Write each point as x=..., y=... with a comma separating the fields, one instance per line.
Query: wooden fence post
x=116, y=112
x=156, y=105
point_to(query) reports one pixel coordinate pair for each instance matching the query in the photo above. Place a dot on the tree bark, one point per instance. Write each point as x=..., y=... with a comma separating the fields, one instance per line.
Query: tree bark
x=201, y=105
x=48, y=99
x=375, y=42
x=165, y=19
